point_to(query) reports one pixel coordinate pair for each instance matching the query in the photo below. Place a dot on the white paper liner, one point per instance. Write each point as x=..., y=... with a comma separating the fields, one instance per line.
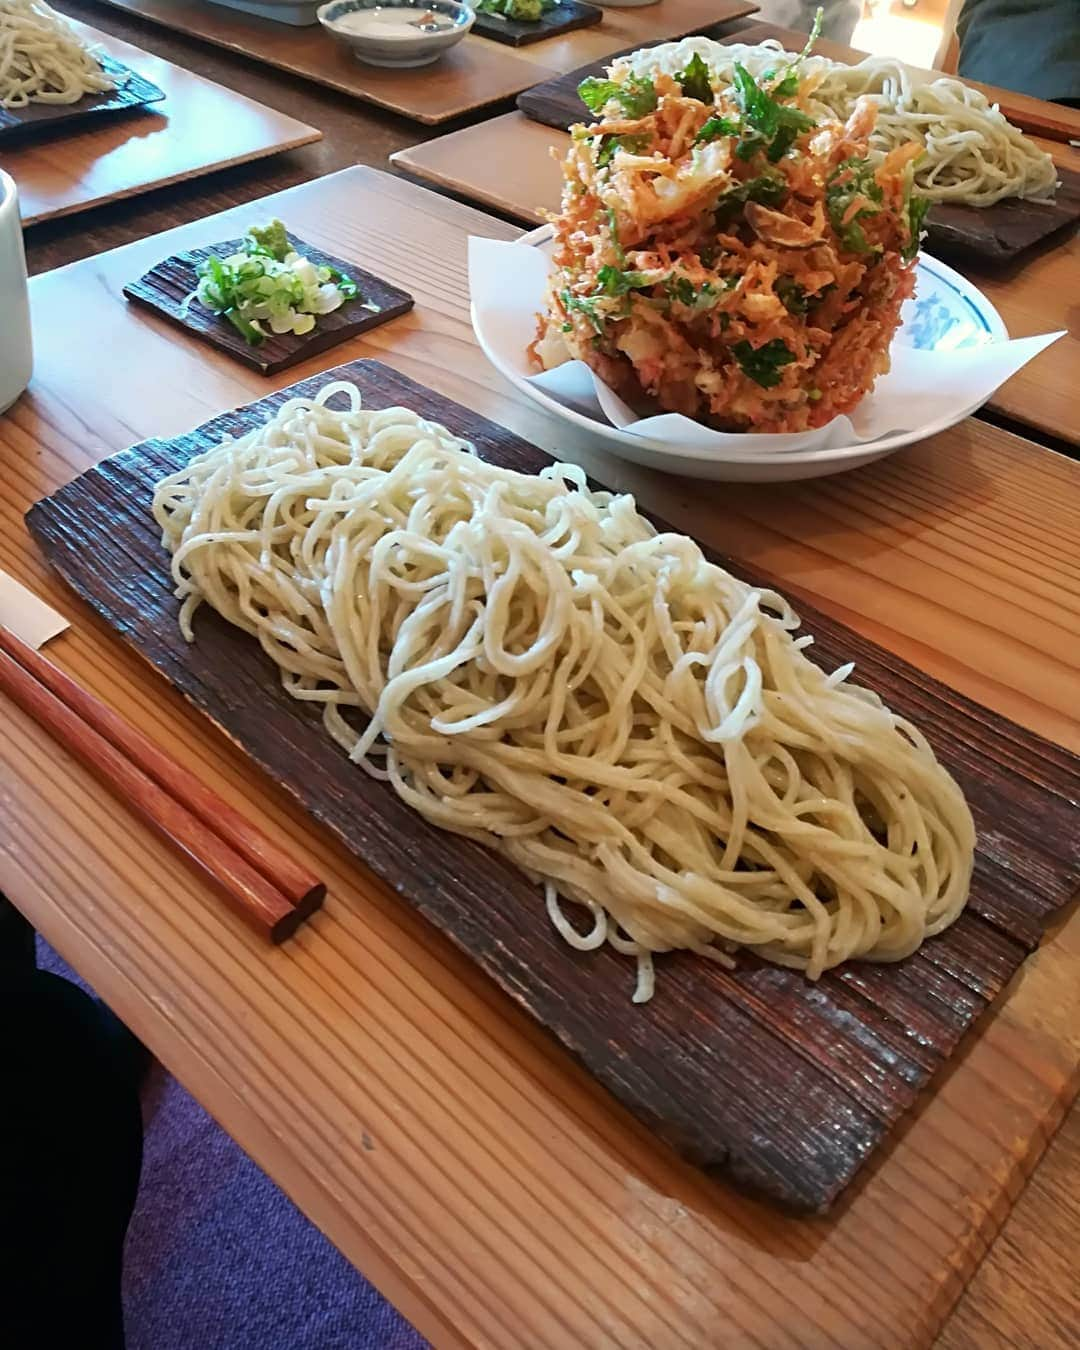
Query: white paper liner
x=923, y=392
x=25, y=615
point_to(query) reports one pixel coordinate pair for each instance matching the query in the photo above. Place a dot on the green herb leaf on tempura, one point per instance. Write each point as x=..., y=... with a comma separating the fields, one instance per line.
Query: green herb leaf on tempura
x=636, y=96
x=633, y=145
x=788, y=87
x=694, y=80
x=716, y=127
x=762, y=364
x=586, y=305
x=768, y=125
x=917, y=208
x=768, y=189
x=852, y=182
x=614, y=282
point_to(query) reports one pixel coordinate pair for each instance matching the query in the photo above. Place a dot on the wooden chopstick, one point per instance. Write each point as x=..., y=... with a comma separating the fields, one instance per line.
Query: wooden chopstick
x=254, y=895
x=296, y=883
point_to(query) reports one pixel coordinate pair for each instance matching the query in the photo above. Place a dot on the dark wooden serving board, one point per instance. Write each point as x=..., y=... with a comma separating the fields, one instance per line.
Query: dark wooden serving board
x=555, y=103
x=1001, y=232
x=165, y=288
x=568, y=15
x=131, y=92
x=783, y=1086
x=994, y=234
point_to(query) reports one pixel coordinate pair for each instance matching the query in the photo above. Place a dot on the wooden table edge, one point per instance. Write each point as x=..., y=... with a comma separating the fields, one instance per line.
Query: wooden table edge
x=137, y=190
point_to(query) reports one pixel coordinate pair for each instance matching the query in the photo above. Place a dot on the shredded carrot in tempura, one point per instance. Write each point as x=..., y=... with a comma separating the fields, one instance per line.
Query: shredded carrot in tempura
x=720, y=253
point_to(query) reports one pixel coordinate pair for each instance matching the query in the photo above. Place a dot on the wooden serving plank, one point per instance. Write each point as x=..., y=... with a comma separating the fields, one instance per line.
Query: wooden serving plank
x=567, y=16
x=993, y=234
x=131, y=93
x=475, y=73
x=1002, y=232
x=198, y=128
x=782, y=1086
x=448, y=1146
x=168, y=286
x=511, y=165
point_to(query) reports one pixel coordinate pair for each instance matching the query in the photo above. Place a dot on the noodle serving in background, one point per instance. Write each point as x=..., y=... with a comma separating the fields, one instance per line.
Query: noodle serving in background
x=972, y=153
x=41, y=58
x=641, y=732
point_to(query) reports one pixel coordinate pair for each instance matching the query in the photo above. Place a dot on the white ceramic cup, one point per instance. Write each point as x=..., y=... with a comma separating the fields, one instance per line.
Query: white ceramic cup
x=16, y=353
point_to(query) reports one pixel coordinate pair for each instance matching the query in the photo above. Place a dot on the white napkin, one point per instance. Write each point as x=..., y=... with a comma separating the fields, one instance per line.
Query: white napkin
x=23, y=614
x=924, y=391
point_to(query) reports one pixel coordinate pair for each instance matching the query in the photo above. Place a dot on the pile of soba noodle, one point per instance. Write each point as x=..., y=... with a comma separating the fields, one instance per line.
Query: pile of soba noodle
x=41, y=59
x=972, y=153
x=637, y=729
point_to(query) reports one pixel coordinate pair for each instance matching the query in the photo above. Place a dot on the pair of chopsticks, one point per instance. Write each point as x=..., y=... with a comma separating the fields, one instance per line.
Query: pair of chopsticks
x=265, y=886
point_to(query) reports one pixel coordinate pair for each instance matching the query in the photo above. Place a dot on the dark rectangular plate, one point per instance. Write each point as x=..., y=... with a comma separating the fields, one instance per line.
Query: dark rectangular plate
x=783, y=1086
x=165, y=287
x=555, y=102
x=569, y=14
x=994, y=234
x=134, y=92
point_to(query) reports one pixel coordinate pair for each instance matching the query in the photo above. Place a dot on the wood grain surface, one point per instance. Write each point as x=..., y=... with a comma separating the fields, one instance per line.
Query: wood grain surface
x=168, y=286
x=472, y=75
x=511, y=164
x=785, y=1088
x=443, y=1144
x=564, y=18
x=131, y=93
x=199, y=127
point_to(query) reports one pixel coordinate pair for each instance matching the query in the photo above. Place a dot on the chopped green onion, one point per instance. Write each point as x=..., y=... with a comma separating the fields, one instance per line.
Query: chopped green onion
x=268, y=285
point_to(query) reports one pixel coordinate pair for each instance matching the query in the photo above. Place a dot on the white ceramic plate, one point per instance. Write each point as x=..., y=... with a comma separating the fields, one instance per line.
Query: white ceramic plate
x=947, y=314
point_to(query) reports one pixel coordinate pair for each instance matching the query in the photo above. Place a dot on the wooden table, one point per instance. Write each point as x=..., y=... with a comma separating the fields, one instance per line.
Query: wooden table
x=474, y=74
x=199, y=128
x=511, y=164
x=452, y=1151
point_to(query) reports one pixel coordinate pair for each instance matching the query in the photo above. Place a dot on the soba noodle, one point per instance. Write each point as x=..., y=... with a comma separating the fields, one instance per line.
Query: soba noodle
x=637, y=729
x=973, y=154
x=41, y=59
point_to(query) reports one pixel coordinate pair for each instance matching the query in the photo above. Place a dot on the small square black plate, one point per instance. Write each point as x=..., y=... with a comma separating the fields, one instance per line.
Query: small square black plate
x=566, y=16
x=131, y=91
x=165, y=287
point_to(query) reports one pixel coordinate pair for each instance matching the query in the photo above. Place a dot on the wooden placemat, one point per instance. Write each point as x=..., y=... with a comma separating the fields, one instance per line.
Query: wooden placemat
x=994, y=234
x=783, y=1086
x=131, y=93
x=472, y=75
x=168, y=286
x=564, y=18
x=197, y=128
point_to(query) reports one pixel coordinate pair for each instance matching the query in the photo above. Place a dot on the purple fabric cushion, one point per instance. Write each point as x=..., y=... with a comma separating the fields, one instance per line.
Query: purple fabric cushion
x=217, y=1257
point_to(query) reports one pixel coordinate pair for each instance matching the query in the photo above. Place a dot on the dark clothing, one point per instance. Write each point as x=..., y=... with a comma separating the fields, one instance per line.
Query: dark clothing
x=1031, y=48
x=70, y=1155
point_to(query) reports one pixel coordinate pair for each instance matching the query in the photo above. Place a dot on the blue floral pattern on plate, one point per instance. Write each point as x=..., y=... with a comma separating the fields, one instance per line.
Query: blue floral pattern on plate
x=947, y=314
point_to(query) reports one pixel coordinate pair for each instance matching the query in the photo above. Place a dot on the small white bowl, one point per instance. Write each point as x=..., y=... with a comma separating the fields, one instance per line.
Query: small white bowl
x=395, y=48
